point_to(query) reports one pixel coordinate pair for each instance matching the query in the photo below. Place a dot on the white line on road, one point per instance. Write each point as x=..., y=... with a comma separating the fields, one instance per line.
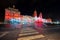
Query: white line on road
x=28, y=33
x=4, y=33
x=31, y=37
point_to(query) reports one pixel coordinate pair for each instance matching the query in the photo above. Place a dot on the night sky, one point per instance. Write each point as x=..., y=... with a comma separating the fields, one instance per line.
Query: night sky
x=49, y=8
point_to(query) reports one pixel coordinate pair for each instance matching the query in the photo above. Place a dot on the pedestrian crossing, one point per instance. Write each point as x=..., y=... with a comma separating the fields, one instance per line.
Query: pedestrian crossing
x=3, y=34
x=29, y=34
x=31, y=37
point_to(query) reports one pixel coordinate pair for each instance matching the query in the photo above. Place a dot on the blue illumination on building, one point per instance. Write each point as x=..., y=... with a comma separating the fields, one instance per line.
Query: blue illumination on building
x=14, y=21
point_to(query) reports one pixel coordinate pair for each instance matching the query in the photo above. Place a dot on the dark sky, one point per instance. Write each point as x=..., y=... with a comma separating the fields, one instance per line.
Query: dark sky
x=49, y=8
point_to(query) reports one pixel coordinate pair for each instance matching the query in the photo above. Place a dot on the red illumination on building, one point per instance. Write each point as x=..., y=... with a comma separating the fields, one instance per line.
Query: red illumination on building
x=11, y=13
x=40, y=15
x=39, y=22
x=7, y=14
x=35, y=13
x=49, y=20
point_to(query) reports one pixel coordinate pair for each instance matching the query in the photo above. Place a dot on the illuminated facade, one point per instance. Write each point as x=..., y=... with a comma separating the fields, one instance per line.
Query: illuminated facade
x=10, y=14
x=13, y=16
x=49, y=20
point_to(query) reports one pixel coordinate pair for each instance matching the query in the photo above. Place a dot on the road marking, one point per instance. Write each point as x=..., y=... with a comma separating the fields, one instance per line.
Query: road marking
x=28, y=30
x=4, y=33
x=31, y=37
x=28, y=33
x=51, y=39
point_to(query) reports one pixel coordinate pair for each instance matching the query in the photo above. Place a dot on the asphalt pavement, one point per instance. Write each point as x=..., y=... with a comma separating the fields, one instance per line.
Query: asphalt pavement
x=30, y=33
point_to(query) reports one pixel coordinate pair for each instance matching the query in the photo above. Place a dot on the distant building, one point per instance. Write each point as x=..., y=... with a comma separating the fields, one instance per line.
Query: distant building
x=49, y=20
x=12, y=15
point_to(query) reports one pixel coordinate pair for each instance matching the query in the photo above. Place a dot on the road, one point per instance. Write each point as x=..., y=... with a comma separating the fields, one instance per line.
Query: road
x=30, y=33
